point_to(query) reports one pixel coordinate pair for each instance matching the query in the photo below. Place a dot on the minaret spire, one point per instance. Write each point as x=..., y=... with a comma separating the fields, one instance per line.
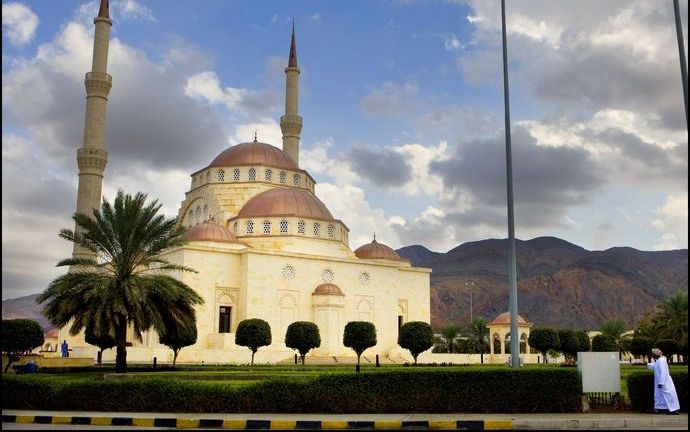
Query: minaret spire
x=291, y=122
x=92, y=157
x=103, y=10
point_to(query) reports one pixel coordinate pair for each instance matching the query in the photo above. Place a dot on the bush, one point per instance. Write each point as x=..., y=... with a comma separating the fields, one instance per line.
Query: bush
x=544, y=339
x=19, y=335
x=253, y=334
x=417, y=337
x=359, y=335
x=641, y=346
x=669, y=347
x=398, y=391
x=302, y=336
x=604, y=343
x=641, y=389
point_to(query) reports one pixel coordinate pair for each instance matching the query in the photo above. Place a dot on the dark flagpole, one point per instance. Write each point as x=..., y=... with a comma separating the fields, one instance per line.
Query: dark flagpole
x=512, y=271
x=681, y=52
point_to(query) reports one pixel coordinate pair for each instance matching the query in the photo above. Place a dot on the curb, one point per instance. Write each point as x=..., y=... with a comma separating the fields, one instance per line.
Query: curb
x=257, y=424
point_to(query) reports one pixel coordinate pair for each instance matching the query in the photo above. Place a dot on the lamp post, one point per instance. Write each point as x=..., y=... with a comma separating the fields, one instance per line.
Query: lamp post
x=470, y=284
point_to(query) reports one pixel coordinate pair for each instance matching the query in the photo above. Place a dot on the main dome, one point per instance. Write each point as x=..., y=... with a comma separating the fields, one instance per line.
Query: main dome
x=376, y=250
x=254, y=153
x=285, y=202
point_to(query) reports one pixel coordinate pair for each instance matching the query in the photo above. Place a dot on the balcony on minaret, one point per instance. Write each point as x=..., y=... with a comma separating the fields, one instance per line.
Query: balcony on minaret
x=98, y=76
x=98, y=84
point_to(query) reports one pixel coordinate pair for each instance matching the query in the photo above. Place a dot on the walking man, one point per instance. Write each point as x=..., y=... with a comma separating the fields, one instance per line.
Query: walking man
x=665, y=397
x=65, y=348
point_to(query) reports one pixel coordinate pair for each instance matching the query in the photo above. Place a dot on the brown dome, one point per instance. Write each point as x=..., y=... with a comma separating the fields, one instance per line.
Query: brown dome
x=328, y=289
x=254, y=153
x=285, y=202
x=376, y=250
x=209, y=231
x=504, y=318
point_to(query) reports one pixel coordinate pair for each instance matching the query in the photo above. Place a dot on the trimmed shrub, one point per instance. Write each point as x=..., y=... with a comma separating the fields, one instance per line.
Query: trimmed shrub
x=604, y=343
x=253, y=334
x=641, y=389
x=302, y=336
x=641, y=346
x=19, y=335
x=359, y=335
x=544, y=339
x=416, y=337
x=399, y=391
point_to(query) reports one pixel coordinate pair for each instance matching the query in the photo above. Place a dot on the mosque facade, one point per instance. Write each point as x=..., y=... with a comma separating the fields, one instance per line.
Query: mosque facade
x=263, y=246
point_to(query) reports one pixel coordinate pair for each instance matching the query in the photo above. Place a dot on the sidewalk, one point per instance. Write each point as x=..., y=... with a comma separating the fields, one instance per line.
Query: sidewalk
x=623, y=420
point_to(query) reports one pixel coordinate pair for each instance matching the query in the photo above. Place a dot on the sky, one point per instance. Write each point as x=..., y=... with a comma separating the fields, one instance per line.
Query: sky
x=402, y=104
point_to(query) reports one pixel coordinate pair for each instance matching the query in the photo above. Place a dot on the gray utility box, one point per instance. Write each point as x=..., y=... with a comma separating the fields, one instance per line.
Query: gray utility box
x=600, y=371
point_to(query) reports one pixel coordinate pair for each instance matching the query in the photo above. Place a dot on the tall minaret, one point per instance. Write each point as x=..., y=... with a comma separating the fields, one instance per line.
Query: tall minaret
x=92, y=157
x=291, y=122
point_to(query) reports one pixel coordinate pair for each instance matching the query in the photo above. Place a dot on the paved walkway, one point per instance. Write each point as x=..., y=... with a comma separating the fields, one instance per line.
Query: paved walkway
x=622, y=420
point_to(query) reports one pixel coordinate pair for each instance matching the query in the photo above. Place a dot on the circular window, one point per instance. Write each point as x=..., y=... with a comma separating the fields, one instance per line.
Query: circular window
x=288, y=272
x=327, y=276
x=364, y=278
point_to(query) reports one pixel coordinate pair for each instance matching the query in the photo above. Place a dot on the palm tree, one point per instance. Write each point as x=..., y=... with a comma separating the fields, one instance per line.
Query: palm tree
x=123, y=283
x=449, y=333
x=671, y=320
x=478, y=336
x=614, y=328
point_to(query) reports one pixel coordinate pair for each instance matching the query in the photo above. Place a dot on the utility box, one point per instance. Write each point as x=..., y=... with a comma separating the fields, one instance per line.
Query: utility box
x=600, y=371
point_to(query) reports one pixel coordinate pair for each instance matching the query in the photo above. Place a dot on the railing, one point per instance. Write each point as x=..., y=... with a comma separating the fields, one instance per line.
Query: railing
x=98, y=76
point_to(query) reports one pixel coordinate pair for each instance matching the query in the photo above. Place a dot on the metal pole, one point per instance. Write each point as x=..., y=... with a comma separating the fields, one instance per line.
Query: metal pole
x=681, y=52
x=512, y=270
x=471, y=317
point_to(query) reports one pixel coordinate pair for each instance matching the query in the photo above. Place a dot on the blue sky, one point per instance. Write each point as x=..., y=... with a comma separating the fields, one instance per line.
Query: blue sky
x=403, y=115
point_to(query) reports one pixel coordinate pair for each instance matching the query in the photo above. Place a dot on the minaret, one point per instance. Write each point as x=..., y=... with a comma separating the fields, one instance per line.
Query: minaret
x=291, y=122
x=92, y=157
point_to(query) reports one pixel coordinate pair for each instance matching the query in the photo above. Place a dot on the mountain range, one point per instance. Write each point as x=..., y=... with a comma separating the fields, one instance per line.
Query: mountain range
x=559, y=284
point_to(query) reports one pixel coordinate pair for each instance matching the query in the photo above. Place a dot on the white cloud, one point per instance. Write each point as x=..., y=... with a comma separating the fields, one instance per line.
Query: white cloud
x=672, y=221
x=451, y=42
x=392, y=99
x=20, y=22
x=206, y=86
x=131, y=9
x=267, y=131
x=349, y=204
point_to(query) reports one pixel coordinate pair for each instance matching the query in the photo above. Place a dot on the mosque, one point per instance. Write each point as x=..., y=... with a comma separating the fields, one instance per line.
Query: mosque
x=262, y=243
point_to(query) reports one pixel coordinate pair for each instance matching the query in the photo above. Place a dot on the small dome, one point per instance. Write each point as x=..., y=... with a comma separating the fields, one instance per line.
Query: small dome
x=504, y=318
x=328, y=289
x=209, y=231
x=254, y=153
x=376, y=250
x=285, y=202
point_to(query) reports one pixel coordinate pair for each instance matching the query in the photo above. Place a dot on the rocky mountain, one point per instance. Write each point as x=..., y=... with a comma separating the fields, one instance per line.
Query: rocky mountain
x=25, y=307
x=559, y=284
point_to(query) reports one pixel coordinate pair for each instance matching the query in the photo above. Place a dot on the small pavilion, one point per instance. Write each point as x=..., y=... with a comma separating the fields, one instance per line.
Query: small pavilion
x=499, y=331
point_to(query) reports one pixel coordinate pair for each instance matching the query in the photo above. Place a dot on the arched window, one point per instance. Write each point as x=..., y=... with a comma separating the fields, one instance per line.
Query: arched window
x=268, y=175
x=236, y=175
x=300, y=227
x=331, y=231
x=281, y=177
x=197, y=214
x=221, y=175
x=205, y=212
x=296, y=180
x=234, y=228
x=283, y=226
x=267, y=226
x=252, y=174
x=317, y=229
x=250, y=227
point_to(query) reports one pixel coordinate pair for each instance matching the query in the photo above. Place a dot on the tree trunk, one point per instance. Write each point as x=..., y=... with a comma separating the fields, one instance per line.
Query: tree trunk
x=100, y=357
x=481, y=356
x=357, y=368
x=415, y=358
x=175, y=353
x=121, y=354
x=302, y=355
x=253, y=352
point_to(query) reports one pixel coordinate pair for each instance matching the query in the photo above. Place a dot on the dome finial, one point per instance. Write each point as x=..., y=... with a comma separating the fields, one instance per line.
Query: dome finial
x=255, y=132
x=374, y=238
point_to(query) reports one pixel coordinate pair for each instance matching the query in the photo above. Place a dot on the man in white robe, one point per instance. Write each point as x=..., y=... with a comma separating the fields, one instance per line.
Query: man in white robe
x=665, y=397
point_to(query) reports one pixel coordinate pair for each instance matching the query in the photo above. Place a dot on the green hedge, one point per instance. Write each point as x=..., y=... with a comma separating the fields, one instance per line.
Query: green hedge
x=535, y=390
x=641, y=389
